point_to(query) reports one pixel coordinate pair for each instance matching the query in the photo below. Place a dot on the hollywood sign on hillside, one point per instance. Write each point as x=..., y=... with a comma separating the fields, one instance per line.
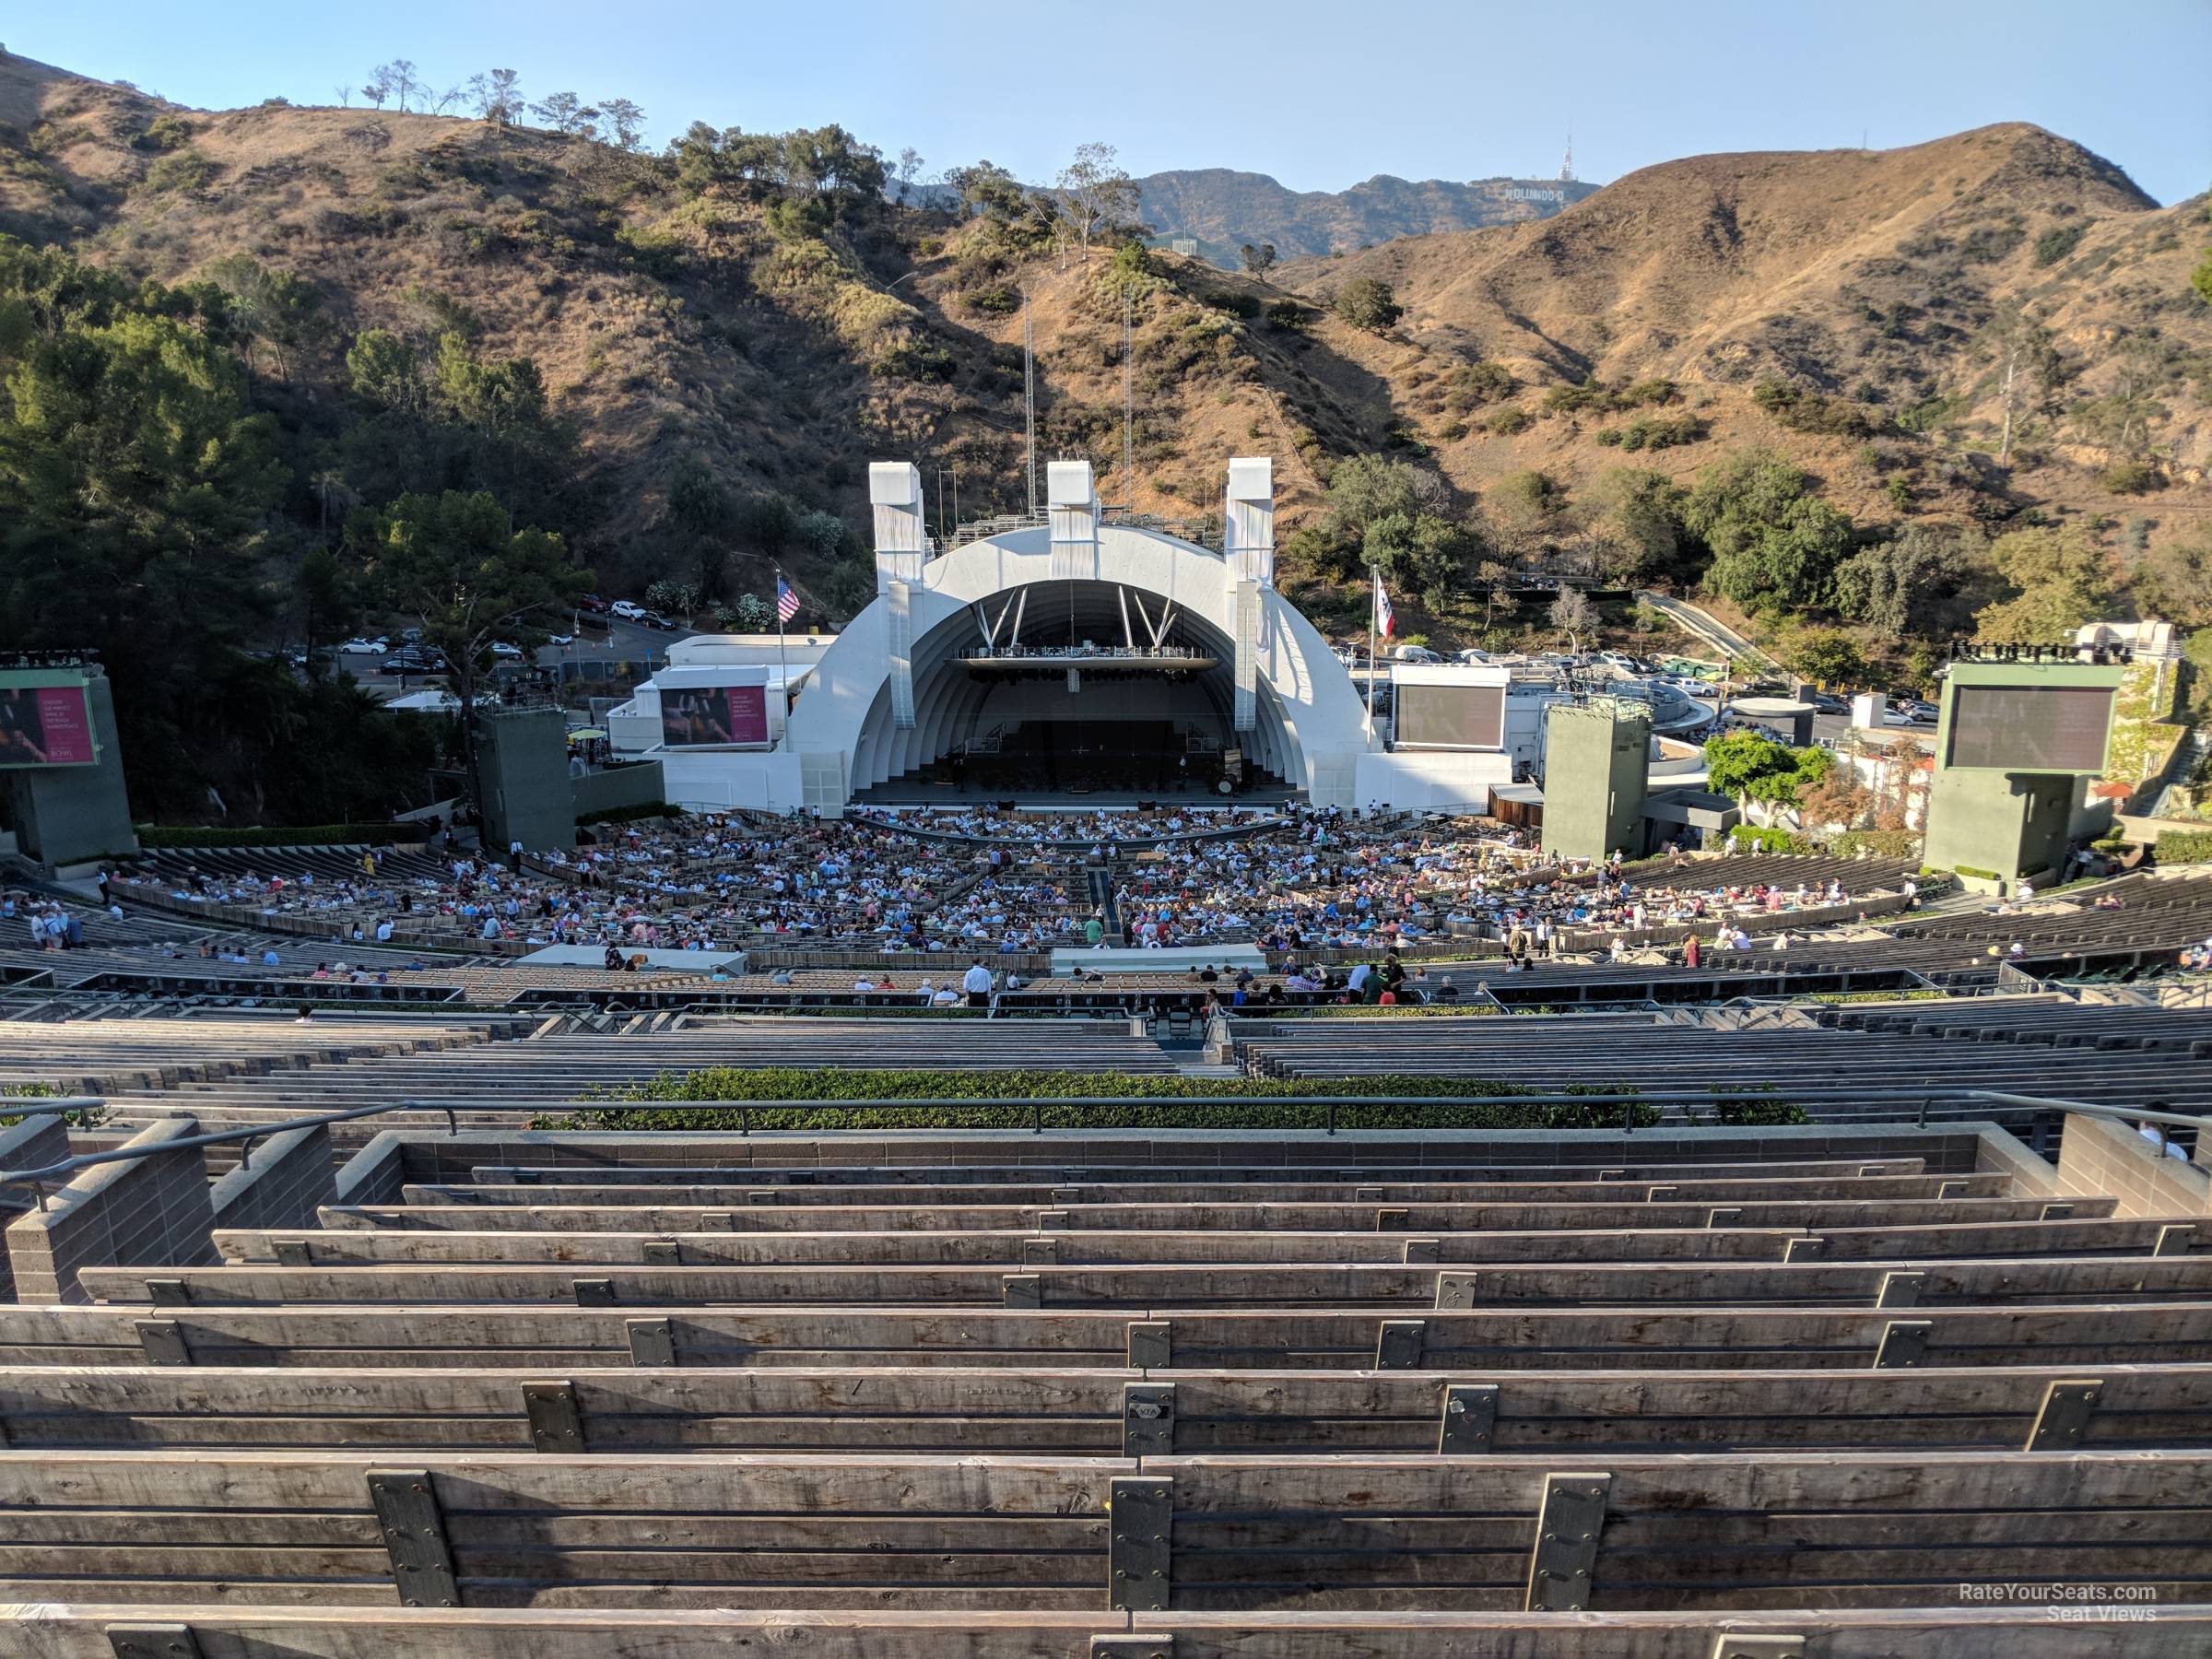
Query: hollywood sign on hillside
x=1535, y=193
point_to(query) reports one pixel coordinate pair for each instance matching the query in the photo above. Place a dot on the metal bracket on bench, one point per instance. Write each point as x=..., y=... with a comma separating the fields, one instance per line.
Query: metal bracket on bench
x=2175, y=1238
x=1904, y=1343
x=1951, y=1189
x=1161, y=1646
x=414, y=1528
x=1023, y=1289
x=664, y=1253
x=1418, y=1251
x=718, y=1221
x=153, y=1642
x=2054, y=1212
x=292, y=1252
x=652, y=1341
x=1141, y=1515
x=1152, y=1344
x=1455, y=1290
x=1566, y=1550
x=1899, y=1290
x=1728, y=1645
x=1147, y=1419
x=555, y=1423
x=1050, y=1219
x=1040, y=1253
x=2064, y=1418
x=594, y=1293
x=1470, y=1420
x=1364, y=1194
x=167, y=1293
x=1724, y=1218
x=1400, y=1343
x=1810, y=1248
x=162, y=1342
x=1389, y=1220
x=1659, y=1194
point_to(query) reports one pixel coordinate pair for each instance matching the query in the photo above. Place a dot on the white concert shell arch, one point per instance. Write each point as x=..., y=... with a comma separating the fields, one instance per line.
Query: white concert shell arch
x=1309, y=722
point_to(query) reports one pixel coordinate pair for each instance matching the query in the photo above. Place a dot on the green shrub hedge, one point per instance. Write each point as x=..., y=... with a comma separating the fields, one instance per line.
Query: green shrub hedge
x=303, y=835
x=2183, y=846
x=1879, y=843
x=1746, y=836
x=1154, y=1102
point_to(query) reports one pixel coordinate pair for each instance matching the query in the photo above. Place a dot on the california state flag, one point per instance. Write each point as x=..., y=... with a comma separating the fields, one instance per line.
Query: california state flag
x=1385, y=623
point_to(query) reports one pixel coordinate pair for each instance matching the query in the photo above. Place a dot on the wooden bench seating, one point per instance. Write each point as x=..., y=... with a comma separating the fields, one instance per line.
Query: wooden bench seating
x=1524, y=1337
x=1015, y=1247
x=1564, y=1532
x=1116, y=1412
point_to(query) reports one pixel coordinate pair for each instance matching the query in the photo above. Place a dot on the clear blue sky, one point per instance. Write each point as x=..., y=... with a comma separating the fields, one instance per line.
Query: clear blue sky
x=1321, y=93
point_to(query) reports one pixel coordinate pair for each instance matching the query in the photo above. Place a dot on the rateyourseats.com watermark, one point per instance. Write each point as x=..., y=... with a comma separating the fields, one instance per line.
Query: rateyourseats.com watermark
x=2071, y=1602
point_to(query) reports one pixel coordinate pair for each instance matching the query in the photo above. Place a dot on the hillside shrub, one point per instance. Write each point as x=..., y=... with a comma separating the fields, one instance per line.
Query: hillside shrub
x=2131, y=478
x=1814, y=412
x=1744, y=837
x=1369, y=303
x=1287, y=313
x=2183, y=846
x=1509, y=421
x=1241, y=305
x=1471, y=385
x=2058, y=242
x=162, y=134
x=1153, y=1101
x=185, y=170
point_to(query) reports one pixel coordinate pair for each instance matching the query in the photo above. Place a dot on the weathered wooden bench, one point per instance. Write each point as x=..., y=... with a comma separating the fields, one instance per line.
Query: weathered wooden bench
x=1119, y=1412
x=1185, y=1534
x=1048, y=1243
x=519, y=1336
x=1812, y=1282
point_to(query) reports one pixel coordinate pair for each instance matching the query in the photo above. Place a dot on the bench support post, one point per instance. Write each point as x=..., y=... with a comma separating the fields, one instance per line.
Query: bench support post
x=1399, y=1344
x=162, y=1342
x=1899, y=1291
x=1140, y=1543
x=1470, y=1420
x=153, y=1642
x=414, y=1529
x=1566, y=1547
x=652, y=1341
x=1147, y=1419
x=1904, y=1343
x=2064, y=1416
x=555, y=1423
x=1152, y=1344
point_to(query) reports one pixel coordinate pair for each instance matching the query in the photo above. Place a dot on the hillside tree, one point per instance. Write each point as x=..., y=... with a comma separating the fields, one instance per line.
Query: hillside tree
x=1775, y=544
x=1575, y=615
x=1369, y=303
x=1259, y=258
x=2060, y=580
x=625, y=125
x=497, y=96
x=1751, y=767
x=457, y=565
x=1095, y=193
x=397, y=80
x=1421, y=552
x=568, y=114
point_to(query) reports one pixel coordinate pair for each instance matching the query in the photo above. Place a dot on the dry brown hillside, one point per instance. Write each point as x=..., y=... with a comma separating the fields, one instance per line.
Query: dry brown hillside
x=1867, y=275
x=670, y=325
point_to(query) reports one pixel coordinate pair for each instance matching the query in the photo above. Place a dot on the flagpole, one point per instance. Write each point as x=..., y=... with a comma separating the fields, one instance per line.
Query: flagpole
x=1374, y=604
x=783, y=667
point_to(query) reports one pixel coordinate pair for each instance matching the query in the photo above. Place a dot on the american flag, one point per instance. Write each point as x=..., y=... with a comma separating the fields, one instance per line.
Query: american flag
x=787, y=602
x=1385, y=622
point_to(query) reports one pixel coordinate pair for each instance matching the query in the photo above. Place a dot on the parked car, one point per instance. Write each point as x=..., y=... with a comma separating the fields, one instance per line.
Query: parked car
x=1474, y=658
x=594, y=604
x=500, y=648
x=365, y=647
x=1909, y=710
x=654, y=619
x=425, y=659
x=1827, y=703
x=560, y=638
x=1414, y=654
x=629, y=610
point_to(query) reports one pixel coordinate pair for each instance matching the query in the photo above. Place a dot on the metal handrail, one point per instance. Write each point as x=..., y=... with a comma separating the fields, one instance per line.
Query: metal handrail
x=1037, y=1103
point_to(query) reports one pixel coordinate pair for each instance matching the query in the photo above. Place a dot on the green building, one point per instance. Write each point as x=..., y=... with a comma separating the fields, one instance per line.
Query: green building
x=1598, y=762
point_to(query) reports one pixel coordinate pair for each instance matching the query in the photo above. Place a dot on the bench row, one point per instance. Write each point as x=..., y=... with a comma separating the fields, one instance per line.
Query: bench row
x=1557, y=1533
x=1120, y=1412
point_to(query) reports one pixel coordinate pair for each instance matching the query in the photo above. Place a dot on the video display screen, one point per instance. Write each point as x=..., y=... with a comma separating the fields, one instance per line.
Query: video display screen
x=714, y=717
x=1450, y=716
x=2030, y=728
x=45, y=720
